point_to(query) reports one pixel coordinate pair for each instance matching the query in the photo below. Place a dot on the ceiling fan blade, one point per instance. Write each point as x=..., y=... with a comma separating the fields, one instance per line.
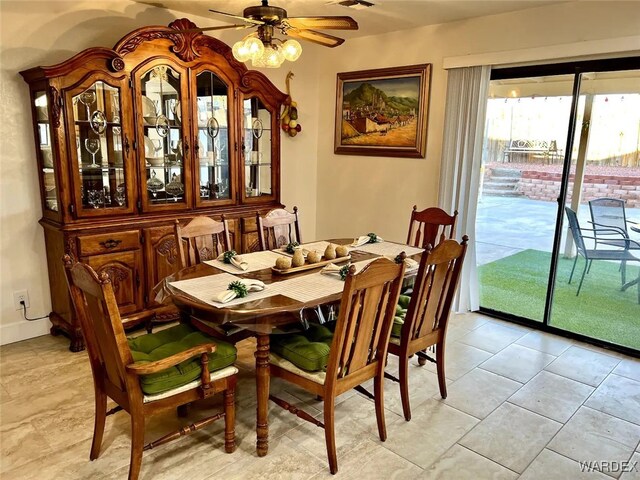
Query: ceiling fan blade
x=221, y=27
x=316, y=37
x=323, y=23
x=225, y=27
x=237, y=17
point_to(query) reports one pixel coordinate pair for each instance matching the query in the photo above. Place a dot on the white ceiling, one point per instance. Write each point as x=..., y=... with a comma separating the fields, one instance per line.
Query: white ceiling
x=384, y=16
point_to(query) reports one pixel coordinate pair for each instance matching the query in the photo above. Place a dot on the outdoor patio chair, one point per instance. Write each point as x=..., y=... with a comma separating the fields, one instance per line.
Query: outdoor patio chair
x=589, y=255
x=608, y=214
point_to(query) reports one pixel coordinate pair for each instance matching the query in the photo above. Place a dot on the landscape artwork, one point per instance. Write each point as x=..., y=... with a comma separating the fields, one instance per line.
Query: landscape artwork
x=383, y=112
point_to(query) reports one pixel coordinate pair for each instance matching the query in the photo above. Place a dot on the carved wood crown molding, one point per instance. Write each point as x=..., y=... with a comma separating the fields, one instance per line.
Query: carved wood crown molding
x=187, y=43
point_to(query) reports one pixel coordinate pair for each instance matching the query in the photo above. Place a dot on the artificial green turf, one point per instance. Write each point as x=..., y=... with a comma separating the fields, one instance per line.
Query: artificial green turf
x=518, y=284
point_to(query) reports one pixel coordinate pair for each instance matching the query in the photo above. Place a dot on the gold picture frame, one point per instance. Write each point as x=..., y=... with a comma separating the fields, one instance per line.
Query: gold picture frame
x=383, y=112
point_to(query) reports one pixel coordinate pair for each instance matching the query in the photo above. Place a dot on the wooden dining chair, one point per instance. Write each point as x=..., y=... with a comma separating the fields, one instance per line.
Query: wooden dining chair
x=429, y=226
x=150, y=373
x=277, y=228
x=357, y=351
x=203, y=238
x=427, y=316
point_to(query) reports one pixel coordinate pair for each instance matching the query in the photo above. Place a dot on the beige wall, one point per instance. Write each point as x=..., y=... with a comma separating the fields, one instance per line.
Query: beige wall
x=337, y=195
x=46, y=32
x=361, y=194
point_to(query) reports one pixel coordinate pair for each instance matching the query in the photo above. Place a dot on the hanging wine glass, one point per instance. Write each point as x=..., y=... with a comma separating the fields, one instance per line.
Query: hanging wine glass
x=88, y=97
x=93, y=146
x=154, y=184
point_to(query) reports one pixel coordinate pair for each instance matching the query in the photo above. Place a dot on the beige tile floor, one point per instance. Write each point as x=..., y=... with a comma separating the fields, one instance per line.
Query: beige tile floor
x=521, y=404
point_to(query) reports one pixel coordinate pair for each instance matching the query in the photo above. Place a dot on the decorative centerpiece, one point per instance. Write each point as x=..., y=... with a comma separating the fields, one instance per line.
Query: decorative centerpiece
x=313, y=259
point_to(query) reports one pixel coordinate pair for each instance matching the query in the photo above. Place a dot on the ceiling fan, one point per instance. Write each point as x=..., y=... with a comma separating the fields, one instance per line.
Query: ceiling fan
x=269, y=18
x=265, y=50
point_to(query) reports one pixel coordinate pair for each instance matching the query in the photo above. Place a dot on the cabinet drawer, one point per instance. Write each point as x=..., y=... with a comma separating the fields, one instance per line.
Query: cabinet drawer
x=109, y=242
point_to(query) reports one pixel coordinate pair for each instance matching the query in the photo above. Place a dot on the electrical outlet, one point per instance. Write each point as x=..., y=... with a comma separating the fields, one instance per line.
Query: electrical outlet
x=21, y=296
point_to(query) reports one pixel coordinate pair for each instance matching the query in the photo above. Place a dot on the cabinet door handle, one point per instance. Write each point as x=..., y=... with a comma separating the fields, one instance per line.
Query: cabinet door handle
x=111, y=243
x=196, y=145
x=126, y=145
x=186, y=147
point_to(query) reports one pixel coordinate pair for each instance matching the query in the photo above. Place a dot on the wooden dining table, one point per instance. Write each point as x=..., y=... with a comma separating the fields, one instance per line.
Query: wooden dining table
x=260, y=318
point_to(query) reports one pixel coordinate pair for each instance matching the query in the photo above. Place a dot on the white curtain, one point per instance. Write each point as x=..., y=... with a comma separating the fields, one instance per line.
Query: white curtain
x=467, y=92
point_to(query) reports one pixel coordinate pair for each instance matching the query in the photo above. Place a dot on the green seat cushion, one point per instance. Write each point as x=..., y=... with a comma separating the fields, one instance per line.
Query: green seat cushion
x=403, y=301
x=401, y=313
x=163, y=344
x=308, y=350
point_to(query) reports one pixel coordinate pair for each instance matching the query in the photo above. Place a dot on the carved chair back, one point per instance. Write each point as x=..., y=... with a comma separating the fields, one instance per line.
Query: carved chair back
x=429, y=226
x=97, y=310
x=203, y=238
x=435, y=287
x=364, y=324
x=278, y=228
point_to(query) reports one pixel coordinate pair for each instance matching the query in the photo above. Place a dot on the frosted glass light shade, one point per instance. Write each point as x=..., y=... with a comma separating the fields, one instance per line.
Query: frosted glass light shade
x=255, y=46
x=291, y=50
x=271, y=58
x=241, y=51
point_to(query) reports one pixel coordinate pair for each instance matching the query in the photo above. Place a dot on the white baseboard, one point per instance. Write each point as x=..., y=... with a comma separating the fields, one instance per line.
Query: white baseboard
x=23, y=330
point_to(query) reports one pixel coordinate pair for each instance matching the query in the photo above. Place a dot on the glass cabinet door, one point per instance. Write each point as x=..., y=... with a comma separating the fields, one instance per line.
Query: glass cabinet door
x=99, y=150
x=256, y=149
x=163, y=148
x=46, y=154
x=212, y=120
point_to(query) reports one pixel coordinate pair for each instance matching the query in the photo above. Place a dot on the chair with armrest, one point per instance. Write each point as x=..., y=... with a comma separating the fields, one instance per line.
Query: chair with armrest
x=277, y=228
x=150, y=373
x=590, y=255
x=203, y=238
x=327, y=363
x=427, y=314
x=609, y=214
x=429, y=226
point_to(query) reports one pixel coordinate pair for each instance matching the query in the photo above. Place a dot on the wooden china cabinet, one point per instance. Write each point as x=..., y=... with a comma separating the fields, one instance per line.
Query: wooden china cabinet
x=166, y=125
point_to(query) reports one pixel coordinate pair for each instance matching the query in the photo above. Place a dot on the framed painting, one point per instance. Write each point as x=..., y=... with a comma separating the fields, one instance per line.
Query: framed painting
x=383, y=112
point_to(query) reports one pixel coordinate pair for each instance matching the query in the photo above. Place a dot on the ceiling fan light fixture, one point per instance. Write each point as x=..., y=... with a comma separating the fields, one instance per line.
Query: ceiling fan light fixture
x=291, y=50
x=271, y=58
x=241, y=51
x=255, y=46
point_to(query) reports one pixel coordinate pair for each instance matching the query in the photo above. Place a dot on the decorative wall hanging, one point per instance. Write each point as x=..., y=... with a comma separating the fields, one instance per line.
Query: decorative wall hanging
x=289, y=115
x=383, y=112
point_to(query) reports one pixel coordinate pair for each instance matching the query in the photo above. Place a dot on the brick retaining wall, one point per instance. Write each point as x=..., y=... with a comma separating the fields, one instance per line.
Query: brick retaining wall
x=546, y=185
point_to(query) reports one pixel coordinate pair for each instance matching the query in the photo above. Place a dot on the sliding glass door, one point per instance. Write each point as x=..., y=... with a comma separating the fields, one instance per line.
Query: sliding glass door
x=525, y=137
x=602, y=301
x=562, y=136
